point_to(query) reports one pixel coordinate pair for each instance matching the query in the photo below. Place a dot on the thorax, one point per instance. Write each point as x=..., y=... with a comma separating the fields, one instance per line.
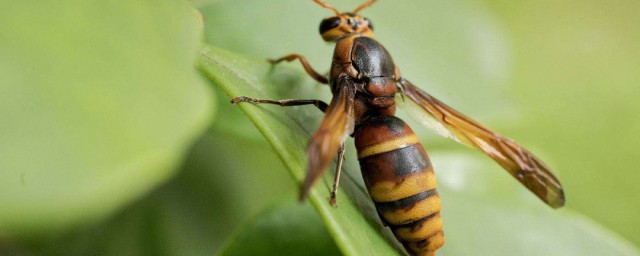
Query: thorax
x=367, y=65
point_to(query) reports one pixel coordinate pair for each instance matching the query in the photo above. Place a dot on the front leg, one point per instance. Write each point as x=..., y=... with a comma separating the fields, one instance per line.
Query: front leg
x=305, y=64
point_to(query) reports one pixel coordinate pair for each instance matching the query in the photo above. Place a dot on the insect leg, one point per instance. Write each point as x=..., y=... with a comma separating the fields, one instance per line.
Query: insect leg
x=305, y=65
x=336, y=180
x=285, y=103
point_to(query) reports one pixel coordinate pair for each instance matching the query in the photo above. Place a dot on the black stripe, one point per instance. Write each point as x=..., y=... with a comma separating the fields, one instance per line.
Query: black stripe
x=424, y=243
x=404, y=161
x=405, y=202
x=409, y=160
x=415, y=224
x=394, y=124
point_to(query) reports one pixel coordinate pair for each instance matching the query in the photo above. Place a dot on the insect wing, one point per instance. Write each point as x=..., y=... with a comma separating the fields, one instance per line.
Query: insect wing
x=336, y=125
x=517, y=160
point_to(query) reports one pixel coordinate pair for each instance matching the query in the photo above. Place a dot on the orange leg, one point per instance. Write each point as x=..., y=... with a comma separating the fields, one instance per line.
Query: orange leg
x=336, y=180
x=305, y=65
x=285, y=103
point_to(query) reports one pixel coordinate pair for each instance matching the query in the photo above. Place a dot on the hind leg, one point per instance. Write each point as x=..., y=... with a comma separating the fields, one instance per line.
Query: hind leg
x=284, y=103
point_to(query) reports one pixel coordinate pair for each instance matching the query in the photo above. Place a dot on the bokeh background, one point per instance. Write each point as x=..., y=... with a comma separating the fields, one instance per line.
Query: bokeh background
x=114, y=144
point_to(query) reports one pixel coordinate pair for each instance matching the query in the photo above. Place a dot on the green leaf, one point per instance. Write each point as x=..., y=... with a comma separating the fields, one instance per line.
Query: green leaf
x=485, y=211
x=98, y=102
x=287, y=229
x=192, y=214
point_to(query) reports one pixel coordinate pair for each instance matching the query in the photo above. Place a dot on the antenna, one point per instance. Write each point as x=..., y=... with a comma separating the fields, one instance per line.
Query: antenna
x=365, y=5
x=328, y=6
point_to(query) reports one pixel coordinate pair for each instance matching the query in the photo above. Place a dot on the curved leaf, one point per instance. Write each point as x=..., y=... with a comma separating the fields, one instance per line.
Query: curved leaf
x=173, y=220
x=287, y=229
x=98, y=102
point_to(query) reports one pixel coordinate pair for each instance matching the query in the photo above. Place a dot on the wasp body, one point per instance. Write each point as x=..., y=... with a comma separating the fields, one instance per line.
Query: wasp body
x=396, y=169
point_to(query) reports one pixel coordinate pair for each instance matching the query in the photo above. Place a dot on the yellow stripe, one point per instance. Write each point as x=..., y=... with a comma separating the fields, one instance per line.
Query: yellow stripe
x=387, y=146
x=389, y=191
x=422, y=230
x=419, y=210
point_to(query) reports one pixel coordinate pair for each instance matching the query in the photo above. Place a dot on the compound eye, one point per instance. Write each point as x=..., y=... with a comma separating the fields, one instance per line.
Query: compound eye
x=368, y=23
x=329, y=23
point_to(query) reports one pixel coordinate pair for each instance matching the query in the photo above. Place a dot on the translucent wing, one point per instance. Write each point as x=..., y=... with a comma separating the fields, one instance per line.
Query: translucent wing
x=518, y=161
x=336, y=125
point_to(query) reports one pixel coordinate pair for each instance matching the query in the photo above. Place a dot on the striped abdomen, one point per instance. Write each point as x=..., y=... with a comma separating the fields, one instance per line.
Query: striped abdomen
x=401, y=182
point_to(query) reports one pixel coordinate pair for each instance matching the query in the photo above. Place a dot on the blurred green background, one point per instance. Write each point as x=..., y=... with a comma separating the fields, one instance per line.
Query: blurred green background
x=112, y=142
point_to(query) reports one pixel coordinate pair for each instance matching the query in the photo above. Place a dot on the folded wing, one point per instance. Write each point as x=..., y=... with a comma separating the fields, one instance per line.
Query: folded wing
x=336, y=125
x=517, y=160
